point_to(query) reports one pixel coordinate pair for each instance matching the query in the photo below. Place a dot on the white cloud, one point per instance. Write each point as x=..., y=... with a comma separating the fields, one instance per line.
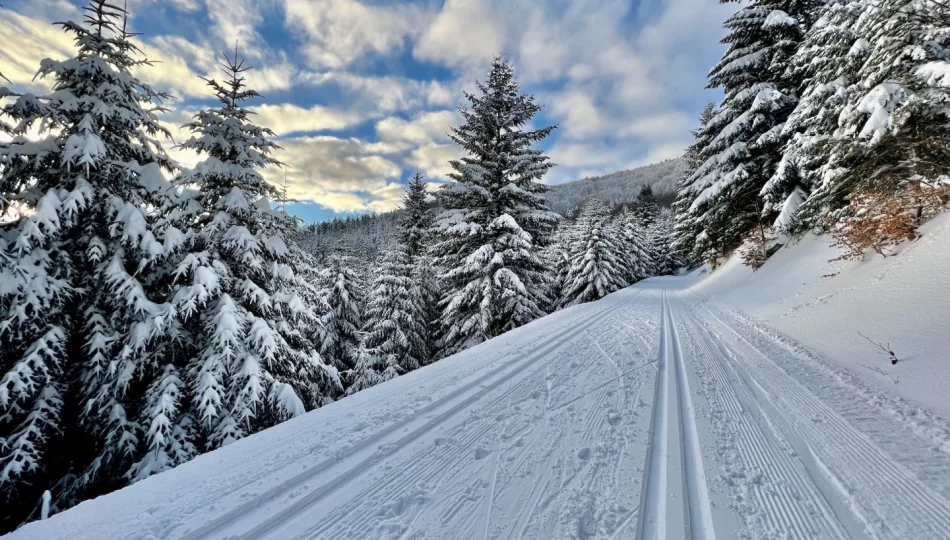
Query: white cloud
x=427, y=127
x=338, y=32
x=287, y=118
x=235, y=22
x=340, y=174
x=464, y=31
x=433, y=159
x=35, y=40
x=384, y=94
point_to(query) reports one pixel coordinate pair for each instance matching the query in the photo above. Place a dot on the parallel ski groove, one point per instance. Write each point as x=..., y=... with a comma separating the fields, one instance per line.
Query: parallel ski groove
x=651, y=519
x=698, y=507
x=927, y=510
x=782, y=510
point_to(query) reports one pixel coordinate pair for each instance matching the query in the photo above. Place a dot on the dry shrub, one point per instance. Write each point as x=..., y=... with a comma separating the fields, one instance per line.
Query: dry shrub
x=880, y=217
x=754, y=251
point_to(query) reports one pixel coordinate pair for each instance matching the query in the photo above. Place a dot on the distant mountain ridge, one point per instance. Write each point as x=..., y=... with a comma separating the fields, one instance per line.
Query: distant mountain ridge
x=618, y=188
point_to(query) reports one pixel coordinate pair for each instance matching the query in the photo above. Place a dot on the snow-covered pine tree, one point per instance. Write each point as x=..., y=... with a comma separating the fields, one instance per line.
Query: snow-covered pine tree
x=413, y=233
x=244, y=298
x=370, y=367
x=344, y=288
x=688, y=228
x=495, y=216
x=660, y=239
x=645, y=208
x=557, y=259
x=82, y=331
x=892, y=131
x=597, y=264
x=745, y=135
x=416, y=219
x=394, y=319
x=635, y=247
x=827, y=61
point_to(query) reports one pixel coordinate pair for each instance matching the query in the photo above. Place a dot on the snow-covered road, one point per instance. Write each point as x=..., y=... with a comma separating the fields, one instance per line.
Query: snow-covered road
x=652, y=413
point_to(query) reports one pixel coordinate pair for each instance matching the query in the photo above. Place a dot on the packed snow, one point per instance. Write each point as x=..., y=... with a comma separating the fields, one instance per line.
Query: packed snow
x=728, y=404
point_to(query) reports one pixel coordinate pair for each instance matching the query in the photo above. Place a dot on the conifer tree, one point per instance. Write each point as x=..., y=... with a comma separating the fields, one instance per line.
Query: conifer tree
x=827, y=62
x=370, y=368
x=495, y=216
x=745, y=135
x=660, y=239
x=557, y=259
x=416, y=219
x=344, y=287
x=244, y=297
x=597, y=265
x=635, y=242
x=688, y=226
x=414, y=228
x=645, y=209
x=892, y=128
x=394, y=319
x=80, y=326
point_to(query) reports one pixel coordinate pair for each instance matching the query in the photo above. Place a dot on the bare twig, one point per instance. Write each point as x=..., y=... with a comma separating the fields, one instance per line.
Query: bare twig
x=874, y=368
x=886, y=350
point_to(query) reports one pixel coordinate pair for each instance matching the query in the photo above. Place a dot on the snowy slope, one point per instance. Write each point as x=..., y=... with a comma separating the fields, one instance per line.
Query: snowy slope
x=903, y=300
x=721, y=406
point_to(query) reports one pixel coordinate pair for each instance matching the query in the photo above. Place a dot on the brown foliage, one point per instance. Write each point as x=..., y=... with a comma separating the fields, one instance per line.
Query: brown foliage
x=754, y=251
x=881, y=216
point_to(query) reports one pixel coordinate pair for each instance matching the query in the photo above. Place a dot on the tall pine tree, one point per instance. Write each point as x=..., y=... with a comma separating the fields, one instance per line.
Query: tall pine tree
x=495, y=216
x=82, y=331
x=688, y=226
x=746, y=134
x=249, y=309
x=597, y=265
x=394, y=319
x=827, y=62
x=892, y=129
x=344, y=286
x=415, y=225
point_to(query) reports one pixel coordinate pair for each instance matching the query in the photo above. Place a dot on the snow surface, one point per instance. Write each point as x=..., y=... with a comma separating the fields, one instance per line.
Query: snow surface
x=722, y=405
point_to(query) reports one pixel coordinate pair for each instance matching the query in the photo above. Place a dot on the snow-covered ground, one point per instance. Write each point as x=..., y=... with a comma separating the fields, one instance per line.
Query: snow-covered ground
x=730, y=405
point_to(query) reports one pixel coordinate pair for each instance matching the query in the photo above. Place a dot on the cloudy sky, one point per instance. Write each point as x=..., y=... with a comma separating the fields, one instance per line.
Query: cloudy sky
x=362, y=92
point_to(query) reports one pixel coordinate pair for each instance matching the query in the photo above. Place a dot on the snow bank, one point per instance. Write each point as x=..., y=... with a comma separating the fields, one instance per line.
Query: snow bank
x=903, y=300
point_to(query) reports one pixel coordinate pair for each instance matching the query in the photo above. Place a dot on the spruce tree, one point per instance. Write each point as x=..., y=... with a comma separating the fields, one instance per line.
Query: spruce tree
x=416, y=219
x=745, y=136
x=370, y=367
x=645, y=209
x=415, y=225
x=827, y=62
x=394, y=319
x=244, y=296
x=635, y=241
x=597, y=265
x=892, y=127
x=660, y=239
x=688, y=227
x=81, y=327
x=495, y=216
x=344, y=287
x=557, y=259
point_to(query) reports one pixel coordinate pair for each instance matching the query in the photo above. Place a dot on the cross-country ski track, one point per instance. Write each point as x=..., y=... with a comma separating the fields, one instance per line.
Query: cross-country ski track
x=653, y=413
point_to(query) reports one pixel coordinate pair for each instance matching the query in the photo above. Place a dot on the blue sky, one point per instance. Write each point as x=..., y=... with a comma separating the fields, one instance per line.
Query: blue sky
x=362, y=92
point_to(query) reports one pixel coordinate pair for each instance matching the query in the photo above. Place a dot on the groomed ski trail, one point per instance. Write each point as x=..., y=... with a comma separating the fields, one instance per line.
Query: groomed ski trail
x=650, y=414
